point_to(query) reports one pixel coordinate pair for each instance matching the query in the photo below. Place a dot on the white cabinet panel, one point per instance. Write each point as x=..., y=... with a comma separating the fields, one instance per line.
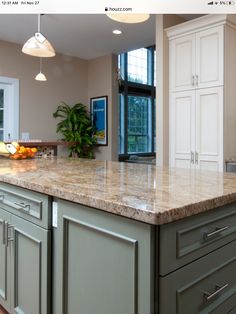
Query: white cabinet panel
x=182, y=128
x=196, y=129
x=209, y=57
x=196, y=60
x=213, y=68
x=209, y=128
x=182, y=63
x=196, y=95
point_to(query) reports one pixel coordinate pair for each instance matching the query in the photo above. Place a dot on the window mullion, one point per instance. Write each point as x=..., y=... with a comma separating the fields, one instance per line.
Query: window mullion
x=150, y=66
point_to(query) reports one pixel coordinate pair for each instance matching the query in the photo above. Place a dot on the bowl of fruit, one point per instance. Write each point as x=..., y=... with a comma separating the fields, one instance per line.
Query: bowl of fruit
x=23, y=152
x=16, y=151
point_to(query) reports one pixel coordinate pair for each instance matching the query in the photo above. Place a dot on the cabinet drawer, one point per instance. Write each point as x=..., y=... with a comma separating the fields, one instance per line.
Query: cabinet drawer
x=30, y=205
x=184, y=241
x=207, y=285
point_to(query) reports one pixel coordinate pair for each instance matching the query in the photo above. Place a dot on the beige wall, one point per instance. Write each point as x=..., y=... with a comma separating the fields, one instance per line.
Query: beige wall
x=162, y=89
x=67, y=81
x=102, y=82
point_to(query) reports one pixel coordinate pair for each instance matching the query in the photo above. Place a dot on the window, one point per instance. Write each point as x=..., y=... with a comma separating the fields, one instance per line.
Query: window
x=138, y=66
x=9, y=109
x=137, y=102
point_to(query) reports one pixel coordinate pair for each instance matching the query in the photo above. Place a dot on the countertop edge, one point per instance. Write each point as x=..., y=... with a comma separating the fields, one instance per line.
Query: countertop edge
x=168, y=216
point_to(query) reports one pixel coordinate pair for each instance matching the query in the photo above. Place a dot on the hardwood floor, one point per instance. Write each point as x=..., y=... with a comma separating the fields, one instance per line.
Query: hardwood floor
x=2, y=311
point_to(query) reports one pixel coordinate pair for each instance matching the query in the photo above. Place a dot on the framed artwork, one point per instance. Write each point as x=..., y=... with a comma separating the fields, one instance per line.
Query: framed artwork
x=98, y=109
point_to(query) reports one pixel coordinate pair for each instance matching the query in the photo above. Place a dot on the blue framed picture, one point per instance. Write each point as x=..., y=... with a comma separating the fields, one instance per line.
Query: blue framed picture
x=98, y=109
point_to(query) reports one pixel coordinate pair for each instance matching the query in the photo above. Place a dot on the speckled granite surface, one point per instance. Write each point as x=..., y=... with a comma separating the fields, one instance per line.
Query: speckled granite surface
x=141, y=192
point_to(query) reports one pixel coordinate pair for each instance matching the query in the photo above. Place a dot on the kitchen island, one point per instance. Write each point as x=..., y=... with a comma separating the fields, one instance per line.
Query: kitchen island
x=121, y=238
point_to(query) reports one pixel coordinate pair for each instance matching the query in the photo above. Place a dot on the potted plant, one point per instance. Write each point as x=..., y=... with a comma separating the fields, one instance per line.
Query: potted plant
x=76, y=127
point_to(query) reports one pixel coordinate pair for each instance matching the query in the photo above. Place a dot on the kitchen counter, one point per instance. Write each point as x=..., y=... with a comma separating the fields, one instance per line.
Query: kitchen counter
x=93, y=256
x=142, y=192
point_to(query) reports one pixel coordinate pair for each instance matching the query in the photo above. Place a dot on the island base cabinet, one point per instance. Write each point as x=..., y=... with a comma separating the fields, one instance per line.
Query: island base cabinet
x=206, y=286
x=24, y=266
x=105, y=262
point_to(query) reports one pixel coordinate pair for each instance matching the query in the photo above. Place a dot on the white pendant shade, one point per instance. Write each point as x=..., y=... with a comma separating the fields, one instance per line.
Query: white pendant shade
x=40, y=77
x=38, y=46
x=129, y=18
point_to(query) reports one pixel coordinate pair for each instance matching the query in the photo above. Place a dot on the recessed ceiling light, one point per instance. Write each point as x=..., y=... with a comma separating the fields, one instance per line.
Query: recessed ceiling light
x=117, y=32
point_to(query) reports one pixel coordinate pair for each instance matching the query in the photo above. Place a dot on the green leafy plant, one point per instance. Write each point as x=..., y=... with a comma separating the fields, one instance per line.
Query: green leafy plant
x=76, y=127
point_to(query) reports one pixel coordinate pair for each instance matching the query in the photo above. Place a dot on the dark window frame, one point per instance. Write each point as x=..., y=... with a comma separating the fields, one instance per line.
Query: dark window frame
x=129, y=88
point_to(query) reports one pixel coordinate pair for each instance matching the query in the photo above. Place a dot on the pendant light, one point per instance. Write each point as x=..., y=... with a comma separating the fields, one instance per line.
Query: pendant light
x=40, y=76
x=38, y=45
x=129, y=18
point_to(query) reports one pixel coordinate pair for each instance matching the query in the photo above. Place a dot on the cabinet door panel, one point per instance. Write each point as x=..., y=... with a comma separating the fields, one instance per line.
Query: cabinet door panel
x=4, y=263
x=209, y=128
x=30, y=268
x=106, y=266
x=182, y=128
x=182, y=63
x=209, y=57
x=87, y=244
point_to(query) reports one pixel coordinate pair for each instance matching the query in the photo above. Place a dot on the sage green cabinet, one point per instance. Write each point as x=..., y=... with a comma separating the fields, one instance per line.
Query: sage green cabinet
x=106, y=262
x=4, y=262
x=30, y=267
x=29, y=205
x=25, y=252
x=193, y=237
x=206, y=286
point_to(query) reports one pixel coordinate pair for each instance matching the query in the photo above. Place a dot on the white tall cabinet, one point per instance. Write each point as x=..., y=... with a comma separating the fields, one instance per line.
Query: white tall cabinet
x=202, y=106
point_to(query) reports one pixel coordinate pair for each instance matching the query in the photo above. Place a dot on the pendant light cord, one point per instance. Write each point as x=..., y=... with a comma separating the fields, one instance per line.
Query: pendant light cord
x=40, y=65
x=39, y=17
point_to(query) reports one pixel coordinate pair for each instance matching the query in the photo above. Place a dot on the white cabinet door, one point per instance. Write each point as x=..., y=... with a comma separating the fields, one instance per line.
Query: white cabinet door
x=209, y=57
x=182, y=129
x=209, y=129
x=182, y=63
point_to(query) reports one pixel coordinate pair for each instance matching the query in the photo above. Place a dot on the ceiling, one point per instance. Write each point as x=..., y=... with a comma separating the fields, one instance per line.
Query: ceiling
x=83, y=35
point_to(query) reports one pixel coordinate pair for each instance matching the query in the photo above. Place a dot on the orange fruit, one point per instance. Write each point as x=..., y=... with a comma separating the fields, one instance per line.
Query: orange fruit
x=16, y=156
x=34, y=150
x=22, y=150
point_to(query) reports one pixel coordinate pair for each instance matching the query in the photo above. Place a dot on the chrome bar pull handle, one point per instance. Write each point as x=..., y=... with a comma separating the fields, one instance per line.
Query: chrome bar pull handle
x=196, y=158
x=193, y=80
x=9, y=239
x=217, y=231
x=196, y=80
x=3, y=232
x=22, y=205
x=192, y=157
x=218, y=289
x=2, y=197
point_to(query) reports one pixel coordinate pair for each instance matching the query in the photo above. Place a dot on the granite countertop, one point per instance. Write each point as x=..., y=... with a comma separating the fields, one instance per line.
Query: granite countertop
x=142, y=192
